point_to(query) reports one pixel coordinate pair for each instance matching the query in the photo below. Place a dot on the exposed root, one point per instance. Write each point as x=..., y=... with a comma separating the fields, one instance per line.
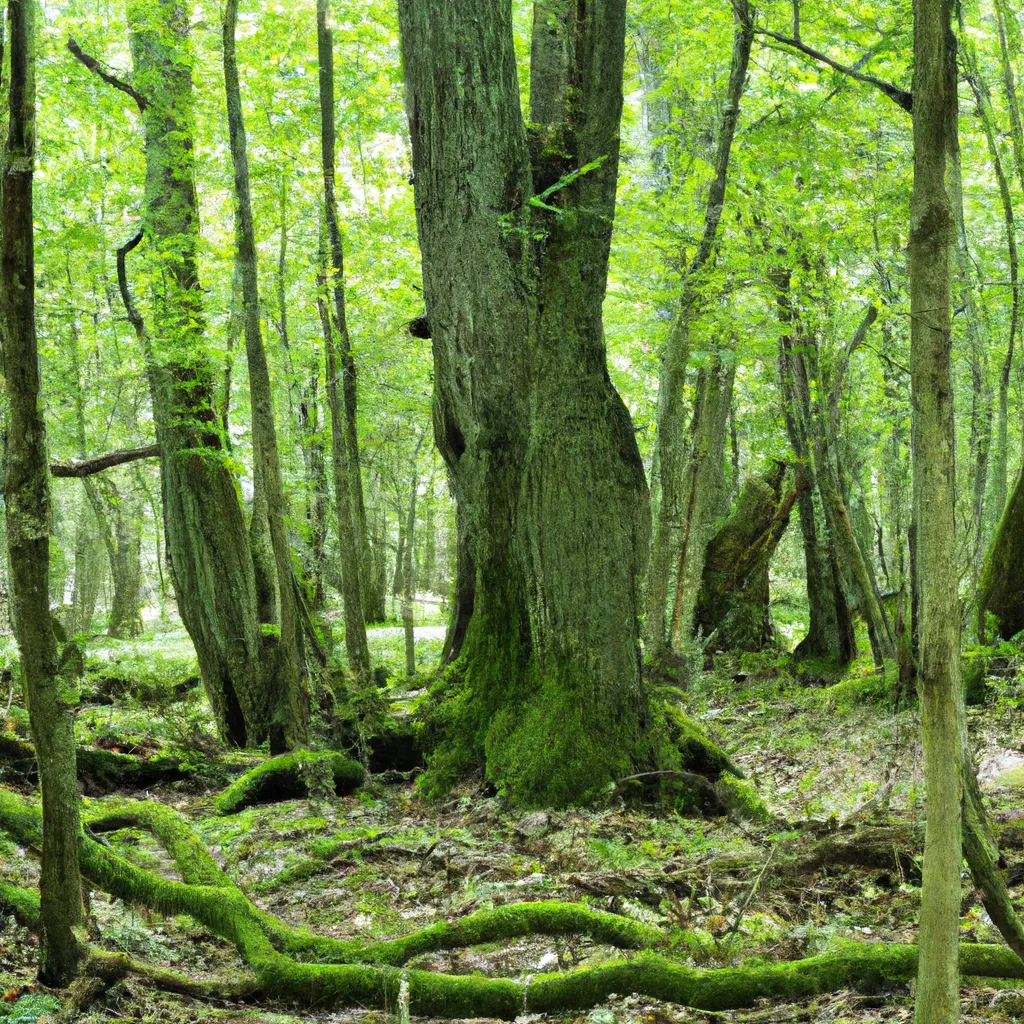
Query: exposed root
x=288, y=776
x=350, y=973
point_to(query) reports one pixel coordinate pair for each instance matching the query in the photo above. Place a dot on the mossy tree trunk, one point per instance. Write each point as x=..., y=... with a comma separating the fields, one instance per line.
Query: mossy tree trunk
x=118, y=514
x=208, y=550
x=733, y=602
x=931, y=250
x=409, y=573
x=539, y=445
x=285, y=655
x=27, y=498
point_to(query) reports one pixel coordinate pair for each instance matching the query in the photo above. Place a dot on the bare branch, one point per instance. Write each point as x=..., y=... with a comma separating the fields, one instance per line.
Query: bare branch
x=900, y=97
x=94, y=65
x=78, y=468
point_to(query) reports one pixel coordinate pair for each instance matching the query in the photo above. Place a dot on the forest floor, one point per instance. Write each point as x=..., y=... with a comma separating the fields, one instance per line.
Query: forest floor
x=828, y=761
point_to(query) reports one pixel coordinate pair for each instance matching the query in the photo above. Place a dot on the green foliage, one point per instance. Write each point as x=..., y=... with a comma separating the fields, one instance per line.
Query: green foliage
x=29, y=1008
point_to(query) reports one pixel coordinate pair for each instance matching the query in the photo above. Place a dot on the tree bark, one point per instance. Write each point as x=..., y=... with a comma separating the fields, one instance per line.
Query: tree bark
x=931, y=250
x=673, y=453
x=515, y=232
x=207, y=546
x=356, y=645
x=27, y=496
x=733, y=602
x=349, y=387
x=290, y=719
x=830, y=632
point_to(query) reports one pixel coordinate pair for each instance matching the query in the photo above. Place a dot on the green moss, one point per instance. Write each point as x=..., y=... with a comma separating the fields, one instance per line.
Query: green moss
x=287, y=777
x=22, y=903
x=740, y=799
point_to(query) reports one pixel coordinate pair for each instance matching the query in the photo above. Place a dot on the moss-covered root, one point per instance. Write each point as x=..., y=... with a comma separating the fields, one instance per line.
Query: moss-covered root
x=288, y=776
x=444, y=995
x=541, y=918
x=23, y=904
x=112, y=967
x=189, y=853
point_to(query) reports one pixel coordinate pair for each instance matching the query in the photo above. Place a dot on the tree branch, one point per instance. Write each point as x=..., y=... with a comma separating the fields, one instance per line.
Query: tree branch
x=94, y=65
x=900, y=97
x=78, y=468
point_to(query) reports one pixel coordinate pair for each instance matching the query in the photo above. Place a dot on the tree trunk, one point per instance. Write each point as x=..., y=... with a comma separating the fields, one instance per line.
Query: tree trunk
x=408, y=581
x=1000, y=455
x=27, y=497
x=705, y=497
x=539, y=445
x=207, y=546
x=673, y=453
x=733, y=602
x=830, y=632
x=356, y=645
x=931, y=249
x=285, y=656
x=325, y=54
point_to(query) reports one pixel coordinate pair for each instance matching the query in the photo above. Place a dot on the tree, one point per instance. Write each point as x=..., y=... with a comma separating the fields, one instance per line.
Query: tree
x=50, y=697
x=931, y=250
x=514, y=226
x=290, y=724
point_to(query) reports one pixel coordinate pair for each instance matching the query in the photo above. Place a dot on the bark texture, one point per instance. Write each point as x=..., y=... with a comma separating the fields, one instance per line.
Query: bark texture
x=27, y=495
x=284, y=655
x=931, y=250
x=733, y=600
x=515, y=229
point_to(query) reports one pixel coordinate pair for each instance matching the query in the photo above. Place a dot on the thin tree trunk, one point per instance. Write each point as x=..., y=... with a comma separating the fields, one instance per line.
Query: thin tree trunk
x=207, y=548
x=672, y=450
x=325, y=55
x=931, y=250
x=356, y=645
x=27, y=497
x=987, y=116
x=704, y=489
x=409, y=574
x=290, y=720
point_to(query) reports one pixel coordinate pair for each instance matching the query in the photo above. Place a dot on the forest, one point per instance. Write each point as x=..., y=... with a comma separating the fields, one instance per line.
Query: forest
x=512, y=510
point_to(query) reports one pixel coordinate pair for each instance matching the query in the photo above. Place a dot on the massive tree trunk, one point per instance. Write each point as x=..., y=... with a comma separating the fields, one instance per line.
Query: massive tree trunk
x=208, y=549
x=515, y=231
x=931, y=249
x=673, y=453
x=349, y=388
x=285, y=656
x=27, y=497
x=733, y=602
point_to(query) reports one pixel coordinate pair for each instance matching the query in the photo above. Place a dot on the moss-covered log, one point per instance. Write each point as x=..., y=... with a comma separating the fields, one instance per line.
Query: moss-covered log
x=372, y=981
x=289, y=776
x=99, y=771
x=733, y=598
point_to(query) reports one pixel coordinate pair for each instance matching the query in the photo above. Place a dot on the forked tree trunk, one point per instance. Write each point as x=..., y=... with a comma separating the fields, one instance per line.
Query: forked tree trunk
x=931, y=249
x=27, y=497
x=539, y=445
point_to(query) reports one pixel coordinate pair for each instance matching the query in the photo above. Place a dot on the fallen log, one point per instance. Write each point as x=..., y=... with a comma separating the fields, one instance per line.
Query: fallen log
x=288, y=776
